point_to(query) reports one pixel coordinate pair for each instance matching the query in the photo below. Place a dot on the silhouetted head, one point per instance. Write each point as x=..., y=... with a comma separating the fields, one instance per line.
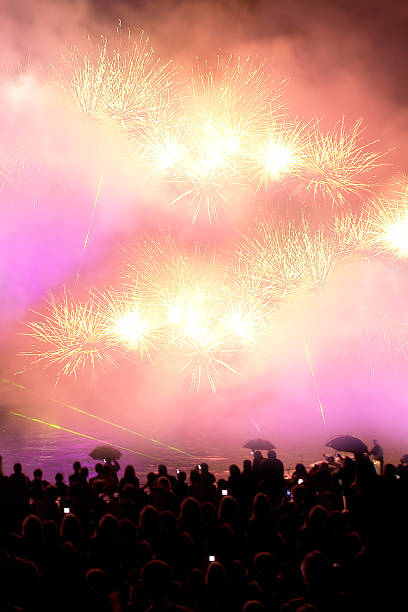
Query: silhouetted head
x=181, y=476
x=247, y=464
x=129, y=472
x=164, y=483
x=209, y=514
x=190, y=512
x=32, y=529
x=318, y=517
x=17, y=468
x=149, y=520
x=228, y=511
x=151, y=479
x=266, y=568
x=389, y=471
x=97, y=582
x=59, y=477
x=271, y=454
x=162, y=470
x=215, y=577
x=195, y=476
x=300, y=469
x=70, y=528
x=156, y=577
x=262, y=509
x=38, y=473
x=234, y=470
x=195, y=580
x=109, y=527
x=253, y=605
x=77, y=467
x=317, y=571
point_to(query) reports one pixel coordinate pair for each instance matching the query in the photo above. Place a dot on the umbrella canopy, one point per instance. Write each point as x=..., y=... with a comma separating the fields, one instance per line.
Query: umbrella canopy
x=348, y=444
x=259, y=444
x=105, y=452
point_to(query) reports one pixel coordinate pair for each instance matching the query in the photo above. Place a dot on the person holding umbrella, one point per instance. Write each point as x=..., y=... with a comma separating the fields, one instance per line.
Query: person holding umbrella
x=377, y=454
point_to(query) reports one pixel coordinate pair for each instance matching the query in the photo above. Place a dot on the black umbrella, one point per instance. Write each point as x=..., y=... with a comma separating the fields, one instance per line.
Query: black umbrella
x=259, y=444
x=105, y=452
x=348, y=444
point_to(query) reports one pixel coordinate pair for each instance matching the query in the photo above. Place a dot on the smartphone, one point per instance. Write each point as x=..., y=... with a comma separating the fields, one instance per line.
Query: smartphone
x=178, y=471
x=211, y=558
x=224, y=491
x=199, y=467
x=252, y=453
x=66, y=510
x=104, y=460
x=300, y=480
x=288, y=494
x=397, y=476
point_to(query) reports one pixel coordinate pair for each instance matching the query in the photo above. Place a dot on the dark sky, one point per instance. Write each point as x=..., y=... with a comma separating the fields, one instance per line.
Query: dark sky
x=372, y=33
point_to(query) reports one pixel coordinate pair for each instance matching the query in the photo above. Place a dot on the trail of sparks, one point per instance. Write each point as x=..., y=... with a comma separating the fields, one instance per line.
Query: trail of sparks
x=309, y=361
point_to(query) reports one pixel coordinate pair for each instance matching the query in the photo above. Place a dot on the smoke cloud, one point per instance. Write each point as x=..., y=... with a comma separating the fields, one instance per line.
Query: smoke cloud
x=347, y=352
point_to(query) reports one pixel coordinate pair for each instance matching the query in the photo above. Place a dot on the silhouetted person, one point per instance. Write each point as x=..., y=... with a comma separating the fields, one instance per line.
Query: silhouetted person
x=157, y=578
x=76, y=476
x=272, y=475
x=60, y=484
x=377, y=454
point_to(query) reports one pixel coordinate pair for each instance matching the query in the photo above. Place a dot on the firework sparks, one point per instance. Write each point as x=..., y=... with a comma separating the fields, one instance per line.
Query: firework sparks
x=390, y=225
x=338, y=166
x=281, y=155
x=225, y=109
x=287, y=259
x=353, y=232
x=116, y=84
x=129, y=325
x=70, y=335
x=199, y=335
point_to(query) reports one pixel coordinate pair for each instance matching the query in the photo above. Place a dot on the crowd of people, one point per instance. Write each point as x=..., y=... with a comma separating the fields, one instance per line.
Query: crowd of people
x=330, y=538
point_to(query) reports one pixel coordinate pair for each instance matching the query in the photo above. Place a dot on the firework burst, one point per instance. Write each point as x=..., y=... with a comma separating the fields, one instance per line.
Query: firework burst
x=283, y=259
x=390, y=225
x=281, y=155
x=353, y=233
x=338, y=166
x=70, y=335
x=225, y=109
x=129, y=325
x=119, y=84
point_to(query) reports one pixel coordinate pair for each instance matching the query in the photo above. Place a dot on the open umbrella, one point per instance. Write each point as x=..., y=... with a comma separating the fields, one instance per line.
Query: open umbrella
x=259, y=444
x=348, y=444
x=105, y=452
